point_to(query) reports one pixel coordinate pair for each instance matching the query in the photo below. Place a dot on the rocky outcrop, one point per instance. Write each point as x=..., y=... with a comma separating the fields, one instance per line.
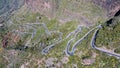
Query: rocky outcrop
x=52, y=8
x=111, y=6
x=44, y=7
x=83, y=11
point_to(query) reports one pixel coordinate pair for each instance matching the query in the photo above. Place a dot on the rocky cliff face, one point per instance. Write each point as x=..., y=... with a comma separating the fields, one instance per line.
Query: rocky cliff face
x=111, y=6
x=50, y=7
x=66, y=10
x=45, y=7
x=87, y=11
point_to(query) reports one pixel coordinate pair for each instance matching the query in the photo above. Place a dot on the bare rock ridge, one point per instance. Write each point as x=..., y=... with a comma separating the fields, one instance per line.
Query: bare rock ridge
x=48, y=7
x=111, y=6
x=44, y=7
x=84, y=14
x=111, y=22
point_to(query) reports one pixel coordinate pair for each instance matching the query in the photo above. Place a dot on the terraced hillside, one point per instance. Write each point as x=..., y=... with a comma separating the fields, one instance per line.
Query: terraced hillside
x=59, y=34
